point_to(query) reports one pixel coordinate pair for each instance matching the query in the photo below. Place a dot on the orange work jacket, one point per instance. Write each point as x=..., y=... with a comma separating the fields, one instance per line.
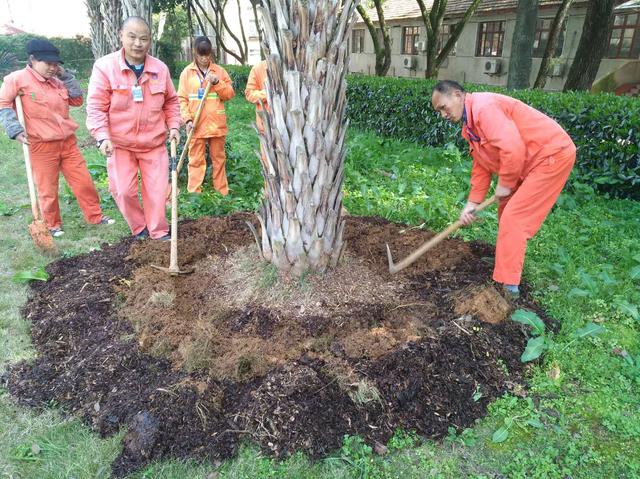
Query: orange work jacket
x=213, y=119
x=507, y=138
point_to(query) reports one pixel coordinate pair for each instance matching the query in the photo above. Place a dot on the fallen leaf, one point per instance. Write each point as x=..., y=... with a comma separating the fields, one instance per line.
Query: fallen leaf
x=380, y=449
x=96, y=407
x=554, y=373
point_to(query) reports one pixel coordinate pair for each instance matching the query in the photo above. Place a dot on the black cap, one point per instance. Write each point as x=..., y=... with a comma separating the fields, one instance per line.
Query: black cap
x=43, y=50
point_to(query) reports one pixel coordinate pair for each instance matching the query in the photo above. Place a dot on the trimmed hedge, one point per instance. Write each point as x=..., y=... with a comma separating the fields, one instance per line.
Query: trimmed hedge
x=75, y=52
x=604, y=127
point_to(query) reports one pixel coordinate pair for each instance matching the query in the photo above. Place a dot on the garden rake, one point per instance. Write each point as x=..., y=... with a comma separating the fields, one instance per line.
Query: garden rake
x=173, y=268
x=395, y=267
x=37, y=229
x=196, y=119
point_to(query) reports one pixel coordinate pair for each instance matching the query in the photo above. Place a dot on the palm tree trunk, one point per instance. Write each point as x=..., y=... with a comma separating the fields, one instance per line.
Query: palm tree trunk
x=304, y=135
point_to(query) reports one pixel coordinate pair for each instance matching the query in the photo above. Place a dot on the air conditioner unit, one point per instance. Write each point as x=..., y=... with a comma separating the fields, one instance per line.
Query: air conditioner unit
x=557, y=70
x=493, y=66
x=421, y=46
x=410, y=62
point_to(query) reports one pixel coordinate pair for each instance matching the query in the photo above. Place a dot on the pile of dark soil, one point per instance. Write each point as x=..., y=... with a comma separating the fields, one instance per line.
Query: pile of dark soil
x=193, y=364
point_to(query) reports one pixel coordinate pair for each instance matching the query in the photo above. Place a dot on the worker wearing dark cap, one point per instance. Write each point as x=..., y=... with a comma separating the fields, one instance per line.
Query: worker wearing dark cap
x=46, y=91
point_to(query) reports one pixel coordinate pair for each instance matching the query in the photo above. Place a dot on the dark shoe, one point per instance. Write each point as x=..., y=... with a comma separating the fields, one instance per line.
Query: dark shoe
x=166, y=237
x=144, y=234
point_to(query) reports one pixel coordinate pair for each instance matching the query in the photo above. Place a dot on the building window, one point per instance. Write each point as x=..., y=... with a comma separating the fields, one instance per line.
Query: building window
x=410, y=36
x=541, y=38
x=357, y=41
x=624, y=41
x=445, y=33
x=490, y=39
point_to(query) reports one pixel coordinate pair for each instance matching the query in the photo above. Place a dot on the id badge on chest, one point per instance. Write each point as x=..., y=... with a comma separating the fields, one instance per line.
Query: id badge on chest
x=200, y=93
x=136, y=90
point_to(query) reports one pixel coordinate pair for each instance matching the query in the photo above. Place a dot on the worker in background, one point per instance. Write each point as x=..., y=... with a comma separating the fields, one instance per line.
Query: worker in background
x=529, y=152
x=130, y=106
x=46, y=91
x=212, y=125
x=255, y=92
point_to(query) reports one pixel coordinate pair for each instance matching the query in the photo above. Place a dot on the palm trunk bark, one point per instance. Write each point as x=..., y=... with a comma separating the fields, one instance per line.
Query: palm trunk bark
x=304, y=135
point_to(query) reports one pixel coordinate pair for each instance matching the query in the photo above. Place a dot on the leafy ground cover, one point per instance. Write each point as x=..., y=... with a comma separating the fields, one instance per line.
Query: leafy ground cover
x=580, y=416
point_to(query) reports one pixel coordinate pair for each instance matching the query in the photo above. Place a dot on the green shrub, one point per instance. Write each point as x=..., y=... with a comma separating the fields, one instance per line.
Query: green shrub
x=239, y=75
x=75, y=52
x=605, y=128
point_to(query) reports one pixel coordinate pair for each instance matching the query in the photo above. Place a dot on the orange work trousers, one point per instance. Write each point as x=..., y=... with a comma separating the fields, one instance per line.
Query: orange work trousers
x=123, y=166
x=522, y=213
x=198, y=164
x=48, y=160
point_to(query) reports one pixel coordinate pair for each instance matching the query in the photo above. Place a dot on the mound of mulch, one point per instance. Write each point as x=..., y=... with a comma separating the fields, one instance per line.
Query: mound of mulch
x=193, y=364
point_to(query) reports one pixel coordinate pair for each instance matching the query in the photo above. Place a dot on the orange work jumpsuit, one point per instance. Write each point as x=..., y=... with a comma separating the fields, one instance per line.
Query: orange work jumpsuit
x=211, y=127
x=254, y=92
x=531, y=154
x=138, y=132
x=53, y=146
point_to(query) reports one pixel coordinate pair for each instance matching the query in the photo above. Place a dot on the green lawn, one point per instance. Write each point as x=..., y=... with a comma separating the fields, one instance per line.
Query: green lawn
x=584, y=266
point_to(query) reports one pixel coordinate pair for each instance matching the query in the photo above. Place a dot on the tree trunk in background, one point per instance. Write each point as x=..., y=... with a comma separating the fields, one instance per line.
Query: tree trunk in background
x=593, y=44
x=254, y=7
x=106, y=19
x=382, y=51
x=432, y=20
x=304, y=136
x=137, y=8
x=522, y=44
x=554, y=35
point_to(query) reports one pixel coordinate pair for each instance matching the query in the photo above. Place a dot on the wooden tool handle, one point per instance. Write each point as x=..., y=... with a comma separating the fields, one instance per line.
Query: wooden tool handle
x=394, y=268
x=27, y=162
x=196, y=119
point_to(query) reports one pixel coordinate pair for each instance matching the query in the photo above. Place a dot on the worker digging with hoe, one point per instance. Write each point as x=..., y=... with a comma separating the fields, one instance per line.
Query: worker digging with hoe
x=212, y=124
x=131, y=104
x=46, y=91
x=528, y=151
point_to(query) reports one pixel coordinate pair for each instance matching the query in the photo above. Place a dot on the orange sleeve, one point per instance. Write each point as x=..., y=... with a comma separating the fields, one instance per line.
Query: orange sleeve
x=171, y=106
x=98, y=103
x=183, y=96
x=480, y=182
x=502, y=133
x=77, y=101
x=253, y=91
x=8, y=92
x=224, y=87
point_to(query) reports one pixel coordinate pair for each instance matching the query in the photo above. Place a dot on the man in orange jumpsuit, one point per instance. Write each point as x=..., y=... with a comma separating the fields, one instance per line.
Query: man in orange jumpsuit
x=529, y=152
x=131, y=104
x=212, y=125
x=255, y=92
x=47, y=91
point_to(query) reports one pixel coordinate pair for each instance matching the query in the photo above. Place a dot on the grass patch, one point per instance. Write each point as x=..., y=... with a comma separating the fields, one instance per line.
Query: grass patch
x=581, y=417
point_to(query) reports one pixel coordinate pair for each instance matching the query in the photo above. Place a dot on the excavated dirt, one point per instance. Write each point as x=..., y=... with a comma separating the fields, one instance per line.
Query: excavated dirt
x=195, y=363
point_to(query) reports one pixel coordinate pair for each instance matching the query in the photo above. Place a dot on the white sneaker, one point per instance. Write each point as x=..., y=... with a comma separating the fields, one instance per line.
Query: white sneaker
x=56, y=232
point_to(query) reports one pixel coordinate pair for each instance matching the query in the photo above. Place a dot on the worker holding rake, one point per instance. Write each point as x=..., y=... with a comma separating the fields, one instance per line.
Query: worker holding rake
x=130, y=106
x=212, y=124
x=45, y=91
x=529, y=152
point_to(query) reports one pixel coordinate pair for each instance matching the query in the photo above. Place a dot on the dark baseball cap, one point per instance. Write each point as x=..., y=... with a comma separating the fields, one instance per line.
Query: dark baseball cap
x=43, y=50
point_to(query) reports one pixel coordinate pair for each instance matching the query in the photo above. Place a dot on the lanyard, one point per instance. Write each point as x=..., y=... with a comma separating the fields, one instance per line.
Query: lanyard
x=201, y=75
x=472, y=135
